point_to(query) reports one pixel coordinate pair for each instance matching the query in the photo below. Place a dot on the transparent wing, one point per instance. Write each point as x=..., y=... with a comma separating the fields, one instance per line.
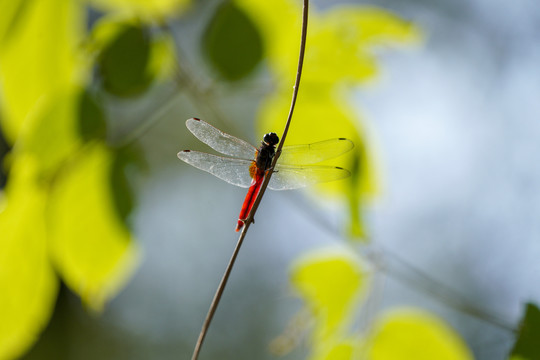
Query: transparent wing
x=316, y=152
x=294, y=177
x=233, y=171
x=220, y=141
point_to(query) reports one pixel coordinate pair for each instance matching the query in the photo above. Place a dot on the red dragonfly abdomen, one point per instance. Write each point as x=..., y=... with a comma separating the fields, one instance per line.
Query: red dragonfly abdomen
x=252, y=193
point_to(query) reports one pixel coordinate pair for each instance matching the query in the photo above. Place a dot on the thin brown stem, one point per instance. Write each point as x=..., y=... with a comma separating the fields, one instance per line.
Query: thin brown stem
x=249, y=220
x=217, y=296
x=291, y=110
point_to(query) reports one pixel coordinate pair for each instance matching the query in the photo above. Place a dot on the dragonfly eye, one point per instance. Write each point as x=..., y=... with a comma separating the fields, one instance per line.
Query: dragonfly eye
x=271, y=139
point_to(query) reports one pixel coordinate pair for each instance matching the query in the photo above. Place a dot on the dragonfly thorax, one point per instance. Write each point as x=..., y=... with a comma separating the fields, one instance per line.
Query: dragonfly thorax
x=266, y=152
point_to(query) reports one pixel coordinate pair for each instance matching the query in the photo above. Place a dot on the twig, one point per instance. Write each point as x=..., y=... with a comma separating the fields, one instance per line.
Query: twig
x=401, y=270
x=249, y=220
x=219, y=292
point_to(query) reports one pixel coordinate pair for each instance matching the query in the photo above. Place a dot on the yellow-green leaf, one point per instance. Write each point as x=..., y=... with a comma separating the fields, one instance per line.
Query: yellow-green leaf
x=162, y=56
x=92, y=249
x=371, y=26
x=331, y=283
x=318, y=116
x=279, y=22
x=51, y=133
x=28, y=282
x=342, y=40
x=415, y=334
x=339, y=55
x=144, y=9
x=12, y=12
x=342, y=349
x=39, y=58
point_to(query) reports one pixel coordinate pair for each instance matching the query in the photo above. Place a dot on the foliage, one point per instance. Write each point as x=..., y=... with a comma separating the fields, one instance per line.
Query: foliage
x=29, y=285
x=66, y=202
x=526, y=346
x=65, y=209
x=332, y=283
x=338, y=58
x=230, y=33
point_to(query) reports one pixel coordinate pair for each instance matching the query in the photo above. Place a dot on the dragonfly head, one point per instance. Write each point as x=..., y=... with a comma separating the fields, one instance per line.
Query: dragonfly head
x=271, y=139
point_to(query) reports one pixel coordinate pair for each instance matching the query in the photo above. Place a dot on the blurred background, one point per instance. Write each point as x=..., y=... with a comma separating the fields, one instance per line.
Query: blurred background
x=449, y=119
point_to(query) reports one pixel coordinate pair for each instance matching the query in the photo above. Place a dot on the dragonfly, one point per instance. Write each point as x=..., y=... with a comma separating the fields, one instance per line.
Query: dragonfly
x=246, y=166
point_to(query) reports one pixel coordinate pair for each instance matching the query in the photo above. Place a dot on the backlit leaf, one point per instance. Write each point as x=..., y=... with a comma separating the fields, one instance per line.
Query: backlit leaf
x=52, y=133
x=527, y=343
x=162, y=56
x=232, y=42
x=340, y=40
x=331, y=283
x=12, y=12
x=343, y=40
x=279, y=23
x=319, y=117
x=413, y=334
x=339, y=55
x=144, y=9
x=28, y=282
x=39, y=59
x=347, y=349
x=91, y=247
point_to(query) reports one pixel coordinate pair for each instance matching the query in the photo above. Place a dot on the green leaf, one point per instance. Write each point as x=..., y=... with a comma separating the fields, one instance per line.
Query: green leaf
x=27, y=279
x=232, y=42
x=527, y=343
x=404, y=334
x=92, y=121
x=125, y=161
x=124, y=61
x=92, y=249
x=4, y=151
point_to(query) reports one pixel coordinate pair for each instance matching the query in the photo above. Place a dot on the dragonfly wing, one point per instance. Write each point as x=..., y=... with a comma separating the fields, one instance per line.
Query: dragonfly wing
x=316, y=152
x=287, y=177
x=233, y=171
x=220, y=141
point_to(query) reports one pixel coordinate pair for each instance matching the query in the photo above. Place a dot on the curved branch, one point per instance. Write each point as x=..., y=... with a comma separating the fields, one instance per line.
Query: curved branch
x=249, y=220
